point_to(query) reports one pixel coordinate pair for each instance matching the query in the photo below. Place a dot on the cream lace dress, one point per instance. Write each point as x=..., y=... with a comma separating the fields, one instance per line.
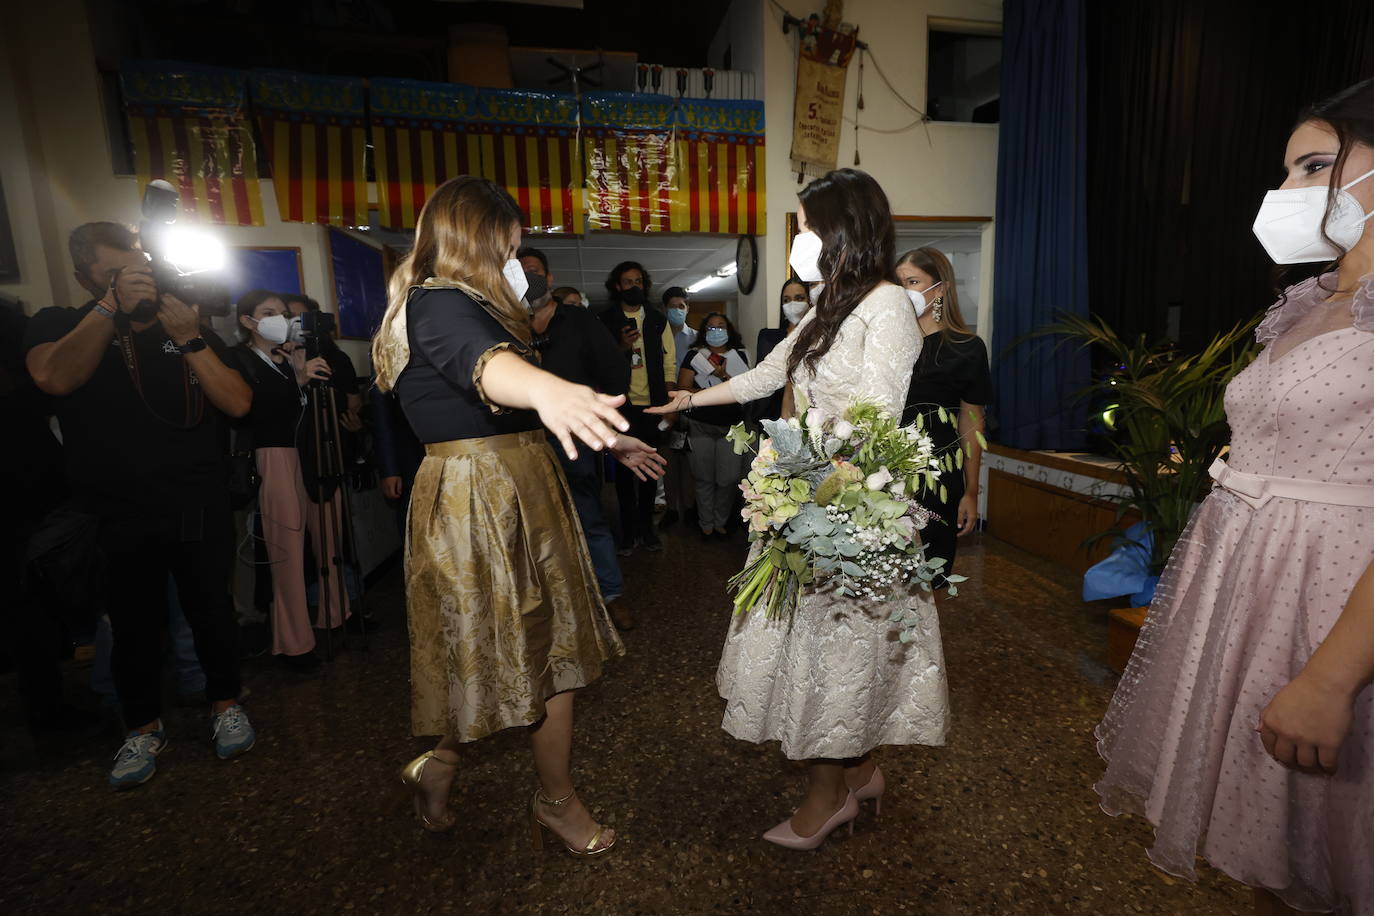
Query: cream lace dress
x=835, y=681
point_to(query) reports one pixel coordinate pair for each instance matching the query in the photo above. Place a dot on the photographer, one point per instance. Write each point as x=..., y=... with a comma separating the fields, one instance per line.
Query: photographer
x=344, y=376
x=282, y=432
x=141, y=397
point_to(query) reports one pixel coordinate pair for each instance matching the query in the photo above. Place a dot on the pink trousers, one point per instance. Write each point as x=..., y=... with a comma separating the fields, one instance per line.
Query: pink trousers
x=287, y=513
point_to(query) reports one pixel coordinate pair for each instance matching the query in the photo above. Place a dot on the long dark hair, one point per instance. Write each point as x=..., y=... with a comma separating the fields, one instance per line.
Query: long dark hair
x=782, y=300
x=849, y=211
x=1350, y=115
x=734, y=343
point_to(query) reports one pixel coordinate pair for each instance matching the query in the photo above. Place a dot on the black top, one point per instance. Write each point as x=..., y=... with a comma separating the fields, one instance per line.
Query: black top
x=768, y=339
x=399, y=451
x=726, y=415
x=650, y=342
x=278, y=415
x=129, y=449
x=578, y=348
x=449, y=332
x=948, y=371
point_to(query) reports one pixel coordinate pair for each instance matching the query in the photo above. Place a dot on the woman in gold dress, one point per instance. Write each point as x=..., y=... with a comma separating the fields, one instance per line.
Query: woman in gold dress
x=505, y=616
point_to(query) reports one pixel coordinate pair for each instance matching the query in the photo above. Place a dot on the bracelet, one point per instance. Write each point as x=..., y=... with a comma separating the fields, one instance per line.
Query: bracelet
x=104, y=310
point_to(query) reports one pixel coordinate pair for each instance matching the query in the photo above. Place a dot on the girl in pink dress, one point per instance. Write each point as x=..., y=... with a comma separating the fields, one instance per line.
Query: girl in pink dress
x=1243, y=727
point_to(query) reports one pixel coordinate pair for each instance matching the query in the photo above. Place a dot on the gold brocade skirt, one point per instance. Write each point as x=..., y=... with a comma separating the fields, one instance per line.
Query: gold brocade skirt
x=504, y=609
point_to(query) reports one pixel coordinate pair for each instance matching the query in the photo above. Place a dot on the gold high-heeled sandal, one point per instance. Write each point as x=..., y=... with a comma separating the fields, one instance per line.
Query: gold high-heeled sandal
x=588, y=851
x=410, y=777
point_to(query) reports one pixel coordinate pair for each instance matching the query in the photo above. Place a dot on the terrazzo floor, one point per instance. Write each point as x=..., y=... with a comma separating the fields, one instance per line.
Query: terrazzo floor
x=313, y=820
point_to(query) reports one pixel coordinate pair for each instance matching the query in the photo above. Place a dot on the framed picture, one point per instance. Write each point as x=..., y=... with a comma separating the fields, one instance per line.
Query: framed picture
x=359, y=285
x=274, y=268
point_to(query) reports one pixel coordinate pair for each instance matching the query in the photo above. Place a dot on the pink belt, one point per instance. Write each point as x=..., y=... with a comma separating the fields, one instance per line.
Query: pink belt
x=1257, y=489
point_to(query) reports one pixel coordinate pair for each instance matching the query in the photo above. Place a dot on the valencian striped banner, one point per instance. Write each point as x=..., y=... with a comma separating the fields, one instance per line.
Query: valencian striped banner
x=631, y=164
x=315, y=128
x=422, y=135
x=189, y=128
x=529, y=145
x=719, y=149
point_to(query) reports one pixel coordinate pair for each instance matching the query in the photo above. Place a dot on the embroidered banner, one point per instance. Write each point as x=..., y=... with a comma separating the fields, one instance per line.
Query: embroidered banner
x=821, y=71
x=189, y=128
x=422, y=135
x=316, y=135
x=529, y=143
x=632, y=169
x=719, y=148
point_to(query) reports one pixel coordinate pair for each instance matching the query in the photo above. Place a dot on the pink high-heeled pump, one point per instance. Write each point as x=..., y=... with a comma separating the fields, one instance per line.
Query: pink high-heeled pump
x=784, y=835
x=874, y=789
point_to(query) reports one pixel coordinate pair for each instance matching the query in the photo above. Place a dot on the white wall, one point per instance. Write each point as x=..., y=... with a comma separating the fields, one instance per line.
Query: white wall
x=56, y=168
x=936, y=169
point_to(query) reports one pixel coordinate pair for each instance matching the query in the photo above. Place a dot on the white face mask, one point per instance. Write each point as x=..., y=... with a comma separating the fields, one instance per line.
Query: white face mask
x=515, y=276
x=274, y=328
x=918, y=298
x=815, y=292
x=805, y=256
x=794, y=310
x=1289, y=224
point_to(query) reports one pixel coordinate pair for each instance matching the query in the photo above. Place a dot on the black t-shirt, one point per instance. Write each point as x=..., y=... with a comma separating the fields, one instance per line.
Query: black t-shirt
x=163, y=449
x=278, y=415
x=948, y=371
x=449, y=332
x=577, y=347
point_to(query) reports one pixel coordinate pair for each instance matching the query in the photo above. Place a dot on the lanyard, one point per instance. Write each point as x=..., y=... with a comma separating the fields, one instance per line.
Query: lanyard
x=277, y=367
x=194, y=397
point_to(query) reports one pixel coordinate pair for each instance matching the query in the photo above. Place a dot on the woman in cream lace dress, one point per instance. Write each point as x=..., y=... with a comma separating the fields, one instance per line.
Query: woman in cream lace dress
x=834, y=681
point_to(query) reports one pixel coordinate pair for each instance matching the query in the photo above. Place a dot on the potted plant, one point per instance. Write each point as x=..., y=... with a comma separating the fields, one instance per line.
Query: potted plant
x=1166, y=421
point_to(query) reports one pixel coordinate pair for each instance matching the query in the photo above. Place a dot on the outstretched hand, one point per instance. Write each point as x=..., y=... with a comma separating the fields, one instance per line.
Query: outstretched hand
x=677, y=401
x=1306, y=723
x=643, y=461
x=577, y=412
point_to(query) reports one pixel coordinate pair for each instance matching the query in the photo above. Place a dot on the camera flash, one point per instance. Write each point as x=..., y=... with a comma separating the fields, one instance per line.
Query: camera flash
x=191, y=251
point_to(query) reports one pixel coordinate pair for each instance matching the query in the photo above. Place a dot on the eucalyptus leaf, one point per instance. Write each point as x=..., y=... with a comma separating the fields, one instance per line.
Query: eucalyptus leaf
x=852, y=569
x=848, y=547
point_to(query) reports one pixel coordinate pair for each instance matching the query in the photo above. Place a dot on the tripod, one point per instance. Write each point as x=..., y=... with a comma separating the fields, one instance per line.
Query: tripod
x=335, y=516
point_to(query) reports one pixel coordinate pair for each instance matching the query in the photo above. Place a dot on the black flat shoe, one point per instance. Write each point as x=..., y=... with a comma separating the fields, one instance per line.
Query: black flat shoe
x=305, y=663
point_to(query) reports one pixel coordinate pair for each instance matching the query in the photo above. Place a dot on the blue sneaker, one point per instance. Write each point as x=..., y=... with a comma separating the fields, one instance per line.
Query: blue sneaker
x=136, y=762
x=233, y=733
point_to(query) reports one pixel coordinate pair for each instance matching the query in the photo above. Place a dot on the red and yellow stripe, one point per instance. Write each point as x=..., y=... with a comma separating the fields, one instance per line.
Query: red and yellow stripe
x=318, y=171
x=411, y=162
x=542, y=173
x=212, y=162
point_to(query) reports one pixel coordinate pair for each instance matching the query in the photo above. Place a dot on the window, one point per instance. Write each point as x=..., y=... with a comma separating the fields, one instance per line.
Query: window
x=964, y=71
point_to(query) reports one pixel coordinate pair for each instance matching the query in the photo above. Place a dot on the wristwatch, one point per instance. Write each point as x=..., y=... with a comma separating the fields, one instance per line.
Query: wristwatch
x=194, y=345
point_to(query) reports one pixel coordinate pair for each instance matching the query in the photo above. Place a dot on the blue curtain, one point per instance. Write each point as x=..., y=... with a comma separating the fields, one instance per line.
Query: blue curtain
x=1042, y=244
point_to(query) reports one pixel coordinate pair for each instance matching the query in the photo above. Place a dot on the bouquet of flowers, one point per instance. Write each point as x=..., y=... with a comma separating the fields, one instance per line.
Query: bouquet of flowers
x=834, y=497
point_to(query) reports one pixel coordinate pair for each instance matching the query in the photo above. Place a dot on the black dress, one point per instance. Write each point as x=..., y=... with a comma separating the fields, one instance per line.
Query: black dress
x=949, y=370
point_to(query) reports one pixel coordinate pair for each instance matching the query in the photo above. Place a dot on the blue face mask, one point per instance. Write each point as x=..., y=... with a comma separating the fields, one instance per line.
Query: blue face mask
x=717, y=337
x=677, y=317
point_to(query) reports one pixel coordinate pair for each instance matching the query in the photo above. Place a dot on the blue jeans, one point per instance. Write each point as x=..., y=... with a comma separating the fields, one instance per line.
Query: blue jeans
x=586, y=493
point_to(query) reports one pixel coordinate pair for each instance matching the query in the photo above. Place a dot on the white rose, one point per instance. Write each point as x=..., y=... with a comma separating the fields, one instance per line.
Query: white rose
x=843, y=430
x=880, y=478
x=898, y=488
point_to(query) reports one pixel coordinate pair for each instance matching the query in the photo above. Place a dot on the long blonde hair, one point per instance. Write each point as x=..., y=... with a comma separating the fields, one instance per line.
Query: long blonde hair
x=934, y=263
x=461, y=241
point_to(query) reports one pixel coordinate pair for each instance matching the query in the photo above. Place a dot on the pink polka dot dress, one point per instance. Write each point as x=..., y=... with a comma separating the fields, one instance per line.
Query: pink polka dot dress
x=1249, y=593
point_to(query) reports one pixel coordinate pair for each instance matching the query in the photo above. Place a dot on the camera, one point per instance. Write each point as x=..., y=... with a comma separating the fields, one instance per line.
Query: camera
x=186, y=263
x=311, y=328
